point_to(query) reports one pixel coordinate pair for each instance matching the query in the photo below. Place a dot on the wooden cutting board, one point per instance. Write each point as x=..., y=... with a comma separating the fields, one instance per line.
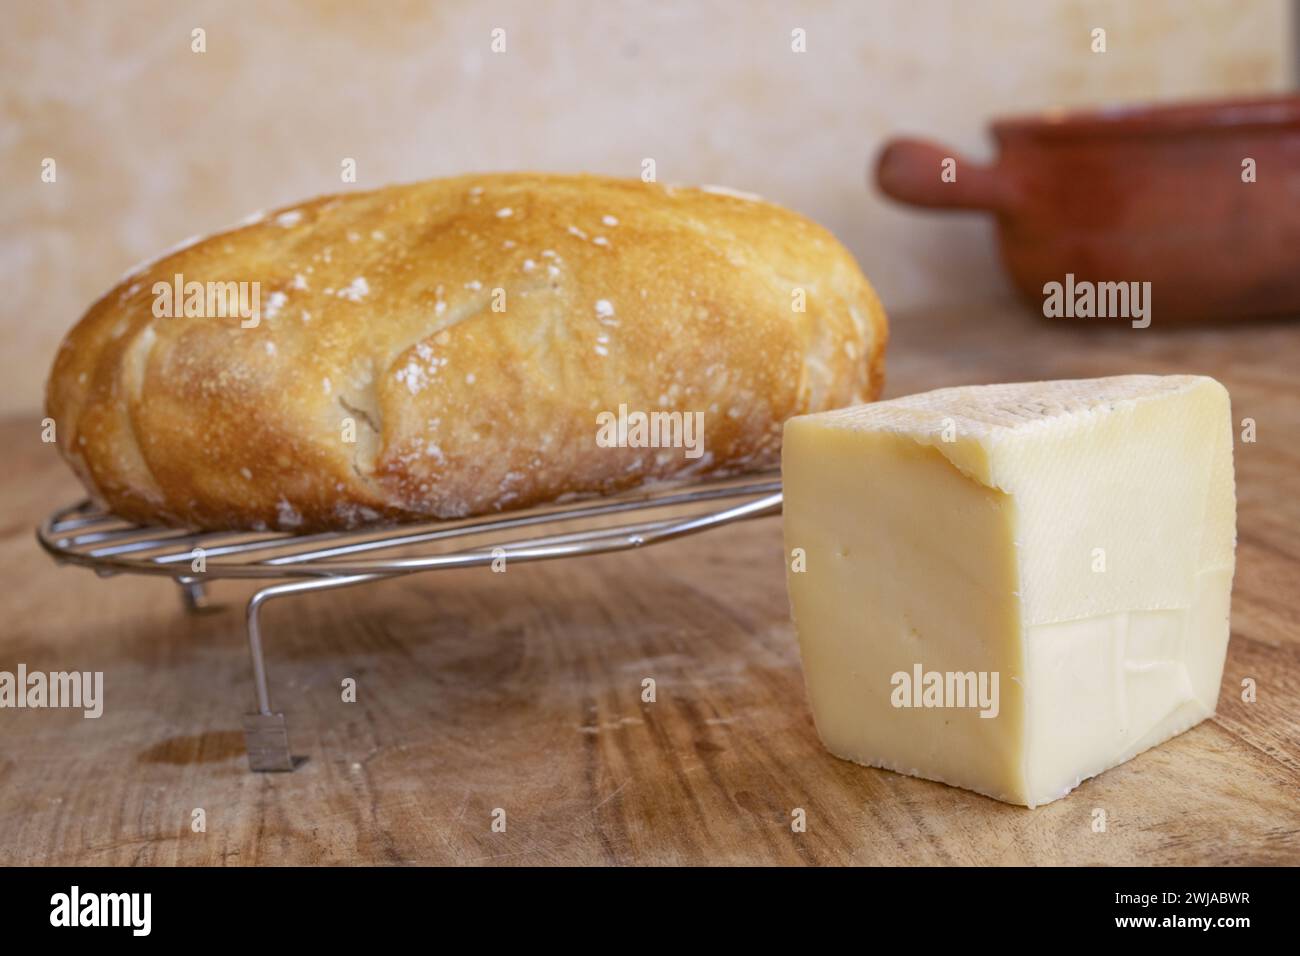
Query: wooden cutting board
x=523, y=691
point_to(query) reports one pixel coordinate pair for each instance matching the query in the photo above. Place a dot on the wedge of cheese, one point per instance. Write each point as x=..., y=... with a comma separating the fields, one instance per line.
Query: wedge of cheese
x=1011, y=588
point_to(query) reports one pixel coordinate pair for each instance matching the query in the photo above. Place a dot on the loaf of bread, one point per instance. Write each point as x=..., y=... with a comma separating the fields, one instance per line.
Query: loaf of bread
x=455, y=347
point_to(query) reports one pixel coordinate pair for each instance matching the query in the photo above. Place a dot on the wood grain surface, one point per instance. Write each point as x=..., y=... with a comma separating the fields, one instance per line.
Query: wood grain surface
x=522, y=691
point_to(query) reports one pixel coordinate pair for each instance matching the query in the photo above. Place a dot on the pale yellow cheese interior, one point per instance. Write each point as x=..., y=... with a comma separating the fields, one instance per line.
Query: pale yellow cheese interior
x=1075, y=537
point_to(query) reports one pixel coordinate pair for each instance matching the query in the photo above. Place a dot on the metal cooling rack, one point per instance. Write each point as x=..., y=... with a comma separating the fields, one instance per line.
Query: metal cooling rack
x=85, y=535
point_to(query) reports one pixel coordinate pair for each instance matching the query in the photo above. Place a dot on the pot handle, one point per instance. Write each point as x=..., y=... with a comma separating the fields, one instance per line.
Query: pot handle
x=911, y=171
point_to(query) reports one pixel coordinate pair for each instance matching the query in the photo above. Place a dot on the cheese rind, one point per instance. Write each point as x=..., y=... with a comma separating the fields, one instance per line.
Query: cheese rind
x=1075, y=538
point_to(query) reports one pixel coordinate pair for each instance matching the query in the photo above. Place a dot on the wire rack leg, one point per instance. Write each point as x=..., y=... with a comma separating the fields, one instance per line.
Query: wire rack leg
x=194, y=595
x=266, y=733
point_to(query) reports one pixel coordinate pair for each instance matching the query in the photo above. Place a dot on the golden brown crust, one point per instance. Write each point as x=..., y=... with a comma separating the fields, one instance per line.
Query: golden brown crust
x=377, y=310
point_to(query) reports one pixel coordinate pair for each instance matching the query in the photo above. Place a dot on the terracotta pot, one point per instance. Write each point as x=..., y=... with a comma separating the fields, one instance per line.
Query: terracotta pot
x=1151, y=194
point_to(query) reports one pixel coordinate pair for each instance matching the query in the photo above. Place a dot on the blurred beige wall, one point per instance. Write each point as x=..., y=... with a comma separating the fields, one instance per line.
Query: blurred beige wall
x=154, y=143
